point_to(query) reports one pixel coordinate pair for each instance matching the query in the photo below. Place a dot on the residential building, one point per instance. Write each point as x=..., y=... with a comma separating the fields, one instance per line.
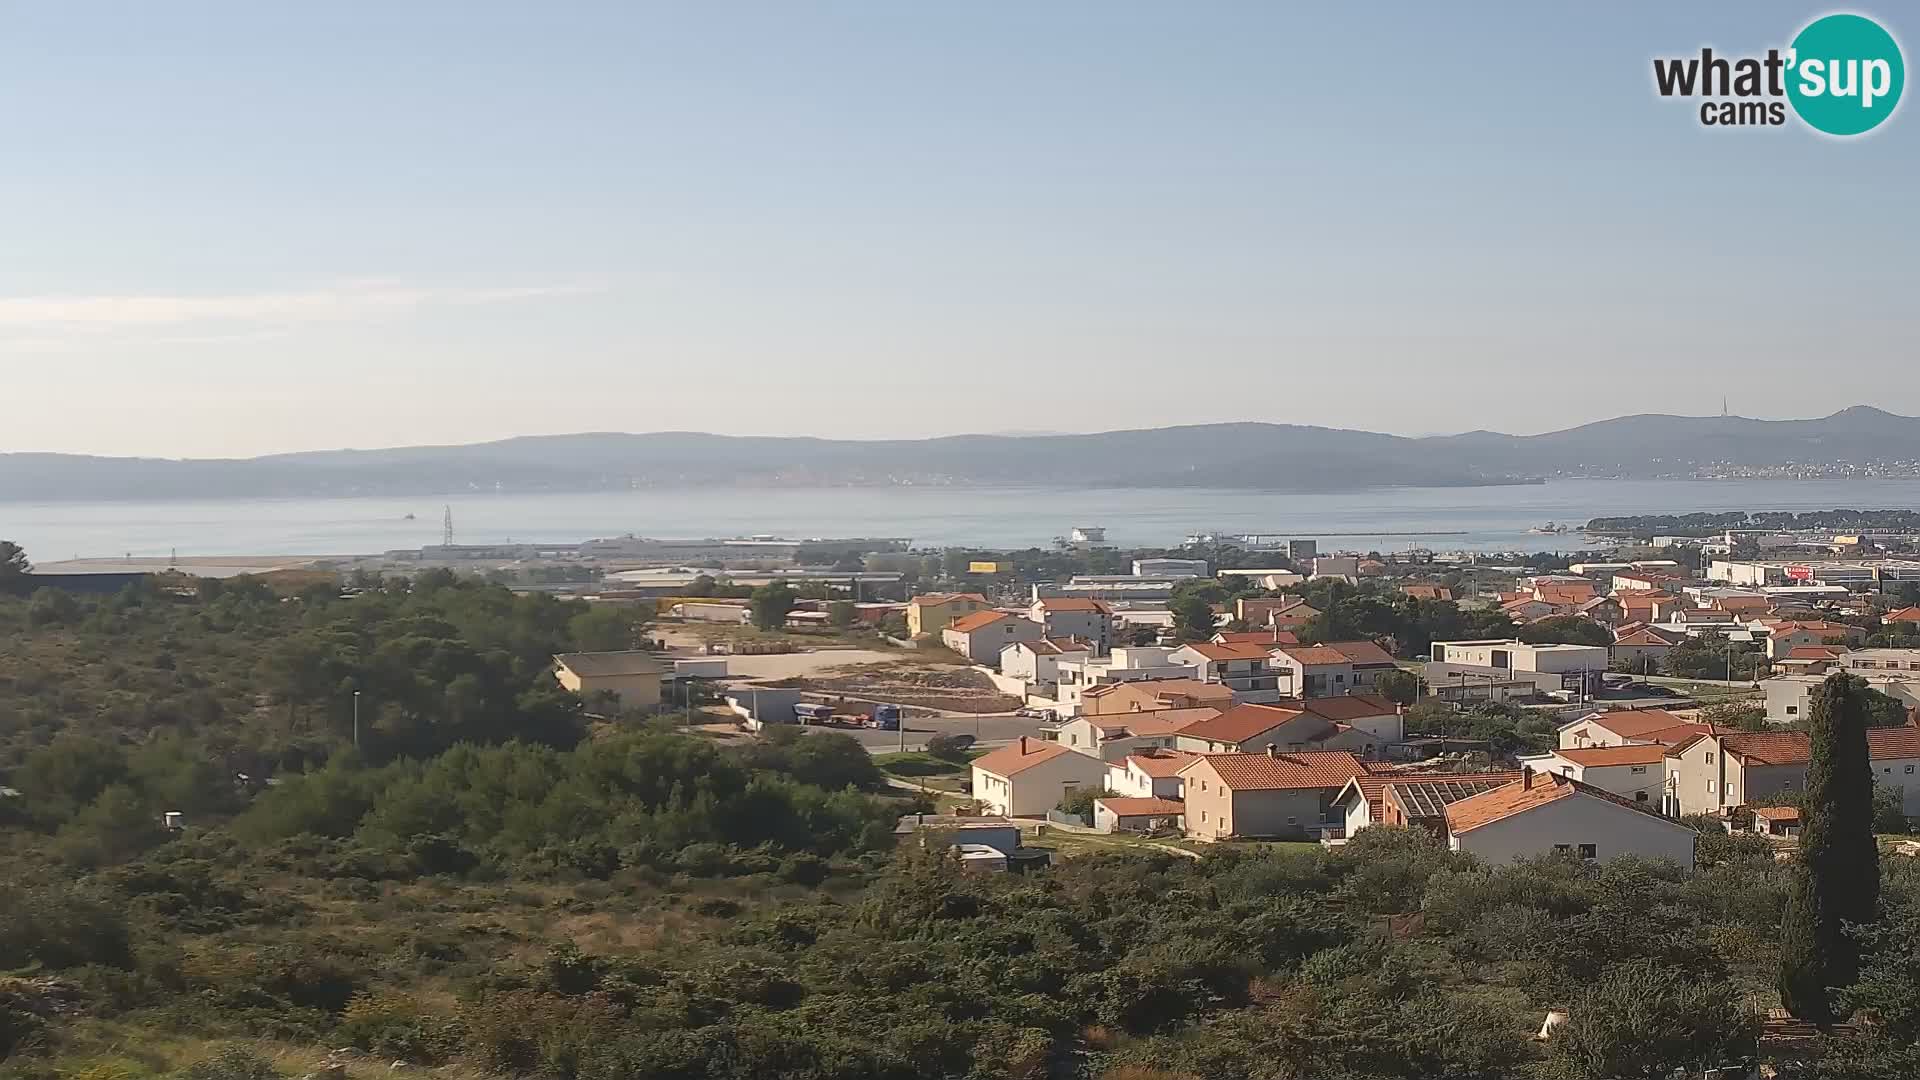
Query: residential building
x=1619, y=727
x=1776, y=821
x=1520, y=656
x=1131, y=663
x=981, y=636
x=1426, y=592
x=1811, y=660
x=1532, y=609
x=1408, y=799
x=1178, y=568
x=1541, y=814
x=1337, y=566
x=1037, y=662
x=1255, y=637
x=1270, y=579
x=630, y=676
x=1029, y=777
x=1865, y=661
x=1790, y=696
x=1366, y=663
x=1261, y=612
x=1075, y=617
x=1907, y=615
x=1148, y=773
x=1604, y=610
x=1148, y=695
x=1633, y=771
x=1643, y=648
x=1248, y=729
x=1714, y=772
x=1265, y=795
x=1784, y=636
x=1311, y=671
x=1641, y=580
x=930, y=613
x=1245, y=669
x=1129, y=814
x=1113, y=737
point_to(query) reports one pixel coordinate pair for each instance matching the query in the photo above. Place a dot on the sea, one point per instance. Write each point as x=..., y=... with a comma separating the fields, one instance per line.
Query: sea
x=1388, y=519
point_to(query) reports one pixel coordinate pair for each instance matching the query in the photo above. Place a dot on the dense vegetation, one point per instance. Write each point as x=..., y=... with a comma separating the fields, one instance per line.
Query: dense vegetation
x=488, y=886
x=1705, y=523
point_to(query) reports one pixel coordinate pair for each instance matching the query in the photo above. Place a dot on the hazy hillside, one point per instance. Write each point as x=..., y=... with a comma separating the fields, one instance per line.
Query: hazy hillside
x=1280, y=457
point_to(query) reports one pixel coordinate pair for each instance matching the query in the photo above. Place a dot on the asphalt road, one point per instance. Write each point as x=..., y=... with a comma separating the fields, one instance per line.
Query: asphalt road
x=992, y=729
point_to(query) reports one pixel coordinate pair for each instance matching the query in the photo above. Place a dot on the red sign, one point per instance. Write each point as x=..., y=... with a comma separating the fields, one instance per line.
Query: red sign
x=1800, y=573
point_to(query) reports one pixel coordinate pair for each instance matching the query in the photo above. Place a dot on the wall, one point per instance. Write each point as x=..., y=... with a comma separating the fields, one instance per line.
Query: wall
x=1646, y=786
x=1034, y=791
x=1575, y=820
x=1903, y=774
x=638, y=691
x=1277, y=813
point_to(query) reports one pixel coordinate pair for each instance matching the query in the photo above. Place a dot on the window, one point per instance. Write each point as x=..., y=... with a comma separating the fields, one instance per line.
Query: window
x=1791, y=709
x=1709, y=787
x=1638, y=770
x=1203, y=815
x=1589, y=852
x=1909, y=770
x=1709, y=761
x=1563, y=849
x=1639, y=796
x=1293, y=821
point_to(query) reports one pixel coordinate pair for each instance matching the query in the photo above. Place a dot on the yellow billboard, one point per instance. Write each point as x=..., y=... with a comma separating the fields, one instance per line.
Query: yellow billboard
x=983, y=568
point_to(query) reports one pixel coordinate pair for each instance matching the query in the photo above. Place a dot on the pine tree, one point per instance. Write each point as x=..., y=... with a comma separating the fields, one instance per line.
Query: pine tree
x=1837, y=878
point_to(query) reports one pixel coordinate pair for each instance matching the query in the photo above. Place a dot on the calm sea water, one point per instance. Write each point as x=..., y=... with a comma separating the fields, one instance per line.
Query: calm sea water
x=1488, y=519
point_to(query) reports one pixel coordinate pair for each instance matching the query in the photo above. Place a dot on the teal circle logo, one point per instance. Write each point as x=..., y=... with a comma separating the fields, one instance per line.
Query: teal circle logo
x=1845, y=74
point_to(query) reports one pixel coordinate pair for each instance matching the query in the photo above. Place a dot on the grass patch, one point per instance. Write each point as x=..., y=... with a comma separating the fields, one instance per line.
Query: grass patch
x=918, y=764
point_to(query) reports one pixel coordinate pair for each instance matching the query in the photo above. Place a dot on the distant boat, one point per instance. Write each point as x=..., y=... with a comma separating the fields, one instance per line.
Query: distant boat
x=1549, y=529
x=409, y=517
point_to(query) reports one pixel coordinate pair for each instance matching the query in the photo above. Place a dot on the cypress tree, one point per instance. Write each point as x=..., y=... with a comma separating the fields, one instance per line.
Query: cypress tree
x=1837, y=877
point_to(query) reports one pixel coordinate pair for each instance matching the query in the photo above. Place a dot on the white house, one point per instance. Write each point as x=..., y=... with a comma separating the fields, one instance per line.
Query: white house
x=1075, y=617
x=1246, y=669
x=1029, y=777
x=1148, y=774
x=1037, y=662
x=1122, y=813
x=1541, y=814
x=1625, y=726
x=1518, y=655
x=981, y=636
x=1077, y=675
x=1633, y=771
x=1409, y=799
x=1112, y=737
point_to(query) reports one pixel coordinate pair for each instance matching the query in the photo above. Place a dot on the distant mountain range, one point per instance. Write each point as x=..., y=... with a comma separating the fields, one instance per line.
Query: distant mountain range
x=1281, y=457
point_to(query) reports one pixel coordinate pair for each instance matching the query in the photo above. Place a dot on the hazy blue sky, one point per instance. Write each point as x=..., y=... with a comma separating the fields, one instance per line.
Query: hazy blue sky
x=232, y=228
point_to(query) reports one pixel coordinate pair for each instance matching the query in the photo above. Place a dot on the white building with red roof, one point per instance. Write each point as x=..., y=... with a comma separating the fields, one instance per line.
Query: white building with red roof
x=1541, y=814
x=1028, y=777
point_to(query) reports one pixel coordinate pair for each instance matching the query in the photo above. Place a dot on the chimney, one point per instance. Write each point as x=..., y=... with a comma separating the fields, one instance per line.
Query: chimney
x=1526, y=778
x=1023, y=745
x=1273, y=751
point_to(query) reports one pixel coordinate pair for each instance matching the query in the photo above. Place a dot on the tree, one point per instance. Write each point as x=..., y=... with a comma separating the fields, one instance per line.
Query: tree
x=1399, y=686
x=607, y=628
x=1889, y=809
x=841, y=614
x=1193, y=618
x=1738, y=715
x=949, y=747
x=1565, y=630
x=1837, y=878
x=1642, y=1018
x=1909, y=593
x=14, y=567
x=771, y=603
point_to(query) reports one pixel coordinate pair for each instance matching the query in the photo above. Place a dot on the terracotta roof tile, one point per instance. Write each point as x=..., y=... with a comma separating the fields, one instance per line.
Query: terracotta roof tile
x=1242, y=722
x=1777, y=813
x=1153, y=722
x=1905, y=614
x=1020, y=755
x=1346, y=707
x=1362, y=652
x=1311, y=655
x=979, y=620
x=1519, y=797
x=1280, y=772
x=1633, y=723
x=1159, y=764
x=1600, y=756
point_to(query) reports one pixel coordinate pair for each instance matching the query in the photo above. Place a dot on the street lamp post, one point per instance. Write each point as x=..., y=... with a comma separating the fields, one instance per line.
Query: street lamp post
x=356, y=719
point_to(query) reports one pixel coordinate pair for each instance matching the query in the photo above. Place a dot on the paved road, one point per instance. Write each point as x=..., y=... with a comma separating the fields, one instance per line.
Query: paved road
x=992, y=729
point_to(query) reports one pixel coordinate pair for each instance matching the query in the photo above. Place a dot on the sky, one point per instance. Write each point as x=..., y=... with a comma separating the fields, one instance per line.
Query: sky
x=231, y=228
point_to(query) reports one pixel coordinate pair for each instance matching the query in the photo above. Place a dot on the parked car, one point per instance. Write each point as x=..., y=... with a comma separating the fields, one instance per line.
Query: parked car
x=1035, y=714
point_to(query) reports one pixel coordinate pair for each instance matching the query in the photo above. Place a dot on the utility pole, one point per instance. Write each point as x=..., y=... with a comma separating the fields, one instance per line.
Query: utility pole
x=356, y=719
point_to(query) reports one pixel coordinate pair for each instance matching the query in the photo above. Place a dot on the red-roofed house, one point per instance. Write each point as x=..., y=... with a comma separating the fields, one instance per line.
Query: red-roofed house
x=930, y=613
x=1120, y=813
x=1784, y=636
x=1408, y=798
x=980, y=636
x=1148, y=773
x=1245, y=669
x=1075, y=617
x=1250, y=729
x=1634, y=771
x=1541, y=814
x=1617, y=728
x=1643, y=647
x=1146, y=695
x=1713, y=772
x=1271, y=794
x=1426, y=592
x=1904, y=615
x=1028, y=777
x=1113, y=737
x=1312, y=671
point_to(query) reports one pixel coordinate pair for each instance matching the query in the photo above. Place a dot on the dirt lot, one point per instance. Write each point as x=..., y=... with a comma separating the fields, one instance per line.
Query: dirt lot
x=951, y=689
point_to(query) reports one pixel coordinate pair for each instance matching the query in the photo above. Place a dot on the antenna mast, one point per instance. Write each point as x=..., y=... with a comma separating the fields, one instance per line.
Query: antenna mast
x=446, y=527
